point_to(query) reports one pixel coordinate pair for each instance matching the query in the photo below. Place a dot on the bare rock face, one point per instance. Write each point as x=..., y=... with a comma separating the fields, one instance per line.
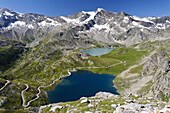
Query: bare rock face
x=104, y=95
x=159, y=66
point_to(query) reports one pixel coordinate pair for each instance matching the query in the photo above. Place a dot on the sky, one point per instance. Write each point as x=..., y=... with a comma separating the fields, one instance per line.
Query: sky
x=54, y=8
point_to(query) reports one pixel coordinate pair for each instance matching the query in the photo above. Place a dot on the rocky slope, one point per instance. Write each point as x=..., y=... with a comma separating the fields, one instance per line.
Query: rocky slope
x=158, y=65
x=151, y=76
x=107, y=102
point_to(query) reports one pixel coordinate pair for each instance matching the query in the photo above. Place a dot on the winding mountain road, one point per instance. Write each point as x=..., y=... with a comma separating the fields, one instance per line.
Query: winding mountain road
x=37, y=95
x=22, y=95
x=5, y=85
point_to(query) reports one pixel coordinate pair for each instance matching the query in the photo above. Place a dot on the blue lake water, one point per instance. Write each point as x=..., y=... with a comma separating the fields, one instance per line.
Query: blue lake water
x=98, y=51
x=81, y=84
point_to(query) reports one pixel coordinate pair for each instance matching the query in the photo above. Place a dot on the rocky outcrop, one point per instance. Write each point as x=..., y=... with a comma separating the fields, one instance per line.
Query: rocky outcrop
x=3, y=100
x=140, y=108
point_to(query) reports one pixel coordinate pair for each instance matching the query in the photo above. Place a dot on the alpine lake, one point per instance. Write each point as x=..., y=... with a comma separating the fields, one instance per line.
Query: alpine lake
x=83, y=83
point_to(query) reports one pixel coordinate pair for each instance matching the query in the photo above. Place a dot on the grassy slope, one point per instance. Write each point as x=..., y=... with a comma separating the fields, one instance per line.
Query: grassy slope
x=9, y=54
x=38, y=68
x=130, y=55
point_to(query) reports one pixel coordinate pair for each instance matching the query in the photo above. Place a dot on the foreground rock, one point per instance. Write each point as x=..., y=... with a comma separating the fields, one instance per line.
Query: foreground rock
x=107, y=102
x=3, y=100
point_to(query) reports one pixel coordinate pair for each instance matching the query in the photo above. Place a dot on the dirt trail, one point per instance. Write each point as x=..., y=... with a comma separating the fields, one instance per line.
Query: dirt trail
x=100, y=67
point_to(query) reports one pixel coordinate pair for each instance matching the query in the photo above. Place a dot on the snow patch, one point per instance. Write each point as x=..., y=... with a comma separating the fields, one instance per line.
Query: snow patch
x=138, y=25
x=160, y=26
x=20, y=24
x=50, y=23
x=152, y=18
x=118, y=41
x=126, y=19
x=141, y=19
x=92, y=15
x=68, y=20
x=99, y=9
x=6, y=17
x=8, y=14
x=99, y=27
x=49, y=19
x=30, y=26
x=115, y=23
x=135, y=23
x=167, y=21
x=20, y=14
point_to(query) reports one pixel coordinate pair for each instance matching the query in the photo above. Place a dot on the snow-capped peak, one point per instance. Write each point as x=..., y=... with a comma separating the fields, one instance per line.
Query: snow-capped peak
x=99, y=9
x=92, y=14
x=77, y=20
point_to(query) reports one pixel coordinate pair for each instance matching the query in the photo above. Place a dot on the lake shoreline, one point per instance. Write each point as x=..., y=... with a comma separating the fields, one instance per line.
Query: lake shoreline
x=79, y=79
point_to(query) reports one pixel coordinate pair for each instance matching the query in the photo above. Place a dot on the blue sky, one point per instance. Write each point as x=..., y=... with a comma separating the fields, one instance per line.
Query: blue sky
x=55, y=8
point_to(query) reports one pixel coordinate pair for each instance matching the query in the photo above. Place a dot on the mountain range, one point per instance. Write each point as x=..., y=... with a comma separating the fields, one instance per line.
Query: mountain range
x=100, y=25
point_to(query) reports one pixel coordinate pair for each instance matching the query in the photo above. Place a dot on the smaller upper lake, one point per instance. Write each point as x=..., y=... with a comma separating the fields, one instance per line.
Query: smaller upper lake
x=81, y=84
x=98, y=51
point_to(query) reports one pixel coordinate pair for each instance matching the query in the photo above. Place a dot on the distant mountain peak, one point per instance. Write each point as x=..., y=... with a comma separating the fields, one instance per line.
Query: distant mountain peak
x=123, y=13
x=99, y=9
